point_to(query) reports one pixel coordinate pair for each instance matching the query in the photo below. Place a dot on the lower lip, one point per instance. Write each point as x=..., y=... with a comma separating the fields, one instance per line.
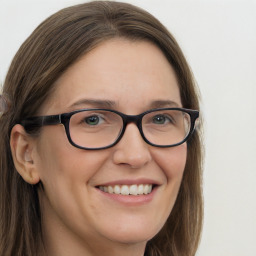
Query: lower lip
x=130, y=200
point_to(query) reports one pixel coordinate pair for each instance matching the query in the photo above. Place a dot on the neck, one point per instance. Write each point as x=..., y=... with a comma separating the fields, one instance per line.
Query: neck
x=95, y=247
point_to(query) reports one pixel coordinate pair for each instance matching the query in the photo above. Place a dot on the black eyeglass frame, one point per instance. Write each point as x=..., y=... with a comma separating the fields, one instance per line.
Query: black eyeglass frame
x=64, y=119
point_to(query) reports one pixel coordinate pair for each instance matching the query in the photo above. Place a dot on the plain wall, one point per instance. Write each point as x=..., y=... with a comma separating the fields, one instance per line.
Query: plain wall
x=219, y=41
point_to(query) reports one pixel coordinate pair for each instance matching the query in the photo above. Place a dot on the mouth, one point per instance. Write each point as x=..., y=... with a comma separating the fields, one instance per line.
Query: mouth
x=126, y=190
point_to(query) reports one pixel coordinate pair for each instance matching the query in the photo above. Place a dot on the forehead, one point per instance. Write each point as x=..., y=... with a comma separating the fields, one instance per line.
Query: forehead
x=129, y=73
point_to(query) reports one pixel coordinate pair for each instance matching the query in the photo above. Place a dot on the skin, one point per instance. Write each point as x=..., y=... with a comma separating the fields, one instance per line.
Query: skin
x=76, y=217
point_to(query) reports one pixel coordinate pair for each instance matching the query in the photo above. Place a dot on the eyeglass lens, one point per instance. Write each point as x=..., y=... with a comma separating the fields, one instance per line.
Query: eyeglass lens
x=101, y=128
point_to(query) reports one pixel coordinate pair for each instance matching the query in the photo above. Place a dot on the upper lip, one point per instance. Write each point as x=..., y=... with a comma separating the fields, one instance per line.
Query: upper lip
x=130, y=182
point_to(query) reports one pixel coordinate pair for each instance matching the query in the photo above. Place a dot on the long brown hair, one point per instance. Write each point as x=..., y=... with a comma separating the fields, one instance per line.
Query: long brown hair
x=55, y=45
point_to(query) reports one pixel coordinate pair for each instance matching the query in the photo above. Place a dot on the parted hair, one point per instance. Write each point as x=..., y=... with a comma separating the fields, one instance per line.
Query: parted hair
x=55, y=45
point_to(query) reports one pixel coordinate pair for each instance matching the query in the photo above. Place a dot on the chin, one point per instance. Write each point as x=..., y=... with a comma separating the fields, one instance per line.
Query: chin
x=131, y=238
x=133, y=234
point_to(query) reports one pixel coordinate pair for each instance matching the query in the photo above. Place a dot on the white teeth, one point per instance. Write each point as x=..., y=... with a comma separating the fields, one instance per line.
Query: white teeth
x=117, y=189
x=110, y=190
x=145, y=189
x=133, y=189
x=140, y=189
x=125, y=190
x=128, y=190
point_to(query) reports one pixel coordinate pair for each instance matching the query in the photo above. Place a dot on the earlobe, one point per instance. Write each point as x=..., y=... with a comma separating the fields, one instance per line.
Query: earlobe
x=23, y=147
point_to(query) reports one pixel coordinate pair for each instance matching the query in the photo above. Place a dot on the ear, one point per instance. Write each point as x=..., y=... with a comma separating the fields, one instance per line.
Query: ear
x=23, y=148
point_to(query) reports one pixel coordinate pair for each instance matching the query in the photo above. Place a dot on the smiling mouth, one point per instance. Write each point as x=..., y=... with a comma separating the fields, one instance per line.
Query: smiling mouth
x=126, y=190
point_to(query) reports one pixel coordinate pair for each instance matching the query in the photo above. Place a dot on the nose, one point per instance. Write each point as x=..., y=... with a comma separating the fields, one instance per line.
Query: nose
x=132, y=150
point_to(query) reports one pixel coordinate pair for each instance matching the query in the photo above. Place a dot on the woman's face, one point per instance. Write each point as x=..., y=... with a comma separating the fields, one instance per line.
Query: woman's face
x=130, y=77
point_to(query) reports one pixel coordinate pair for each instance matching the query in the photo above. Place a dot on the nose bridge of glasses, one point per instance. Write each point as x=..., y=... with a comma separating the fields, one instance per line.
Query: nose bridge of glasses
x=132, y=119
x=135, y=119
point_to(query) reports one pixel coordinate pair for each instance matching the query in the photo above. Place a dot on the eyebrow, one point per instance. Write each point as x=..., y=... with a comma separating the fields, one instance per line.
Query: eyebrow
x=95, y=103
x=111, y=104
x=163, y=104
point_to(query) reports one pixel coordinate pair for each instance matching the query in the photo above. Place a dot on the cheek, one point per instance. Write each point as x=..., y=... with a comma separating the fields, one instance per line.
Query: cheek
x=57, y=157
x=172, y=161
x=65, y=170
x=172, y=164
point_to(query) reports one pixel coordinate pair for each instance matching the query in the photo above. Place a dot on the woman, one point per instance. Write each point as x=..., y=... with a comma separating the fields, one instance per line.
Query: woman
x=121, y=175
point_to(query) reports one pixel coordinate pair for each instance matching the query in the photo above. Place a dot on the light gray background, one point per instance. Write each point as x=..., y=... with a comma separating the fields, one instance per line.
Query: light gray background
x=219, y=41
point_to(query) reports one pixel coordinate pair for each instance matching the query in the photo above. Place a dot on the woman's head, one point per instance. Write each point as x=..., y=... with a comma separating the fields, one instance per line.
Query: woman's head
x=57, y=65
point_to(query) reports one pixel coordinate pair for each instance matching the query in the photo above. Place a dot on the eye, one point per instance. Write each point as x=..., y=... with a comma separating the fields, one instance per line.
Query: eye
x=93, y=120
x=161, y=119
